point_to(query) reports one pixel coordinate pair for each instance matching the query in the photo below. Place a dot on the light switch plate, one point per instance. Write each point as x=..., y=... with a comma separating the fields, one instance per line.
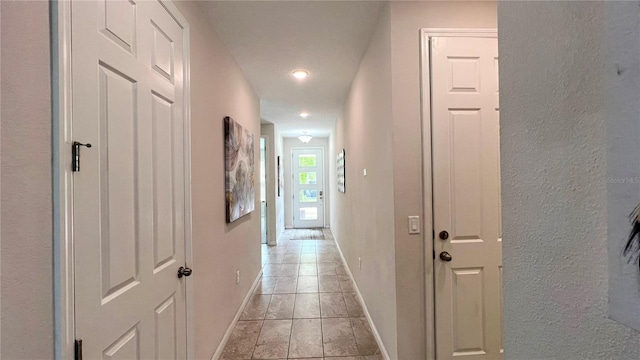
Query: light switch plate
x=414, y=225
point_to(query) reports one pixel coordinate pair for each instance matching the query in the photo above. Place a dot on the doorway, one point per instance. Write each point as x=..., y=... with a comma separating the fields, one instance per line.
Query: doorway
x=461, y=101
x=264, y=231
x=307, y=170
x=124, y=155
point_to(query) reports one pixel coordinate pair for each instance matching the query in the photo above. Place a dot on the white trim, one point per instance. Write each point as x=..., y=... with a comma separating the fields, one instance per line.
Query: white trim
x=234, y=322
x=427, y=186
x=62, y=179
x=64, y=327
x=374, y=330
x=437, y=32
x=270, y=189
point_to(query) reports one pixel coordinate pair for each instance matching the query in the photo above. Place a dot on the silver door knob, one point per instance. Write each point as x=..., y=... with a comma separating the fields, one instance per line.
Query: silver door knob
x=445, y=256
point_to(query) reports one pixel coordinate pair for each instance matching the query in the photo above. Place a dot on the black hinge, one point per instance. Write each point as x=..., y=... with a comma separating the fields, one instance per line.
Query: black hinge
x=434, y=254
x=433, y=234
x=78, y=349
x=75, y=155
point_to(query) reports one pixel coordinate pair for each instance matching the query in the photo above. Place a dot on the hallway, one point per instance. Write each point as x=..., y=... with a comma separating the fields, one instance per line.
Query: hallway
x=304, y=307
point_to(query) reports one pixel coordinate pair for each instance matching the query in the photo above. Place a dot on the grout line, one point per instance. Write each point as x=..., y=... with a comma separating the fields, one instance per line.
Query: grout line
x=255, y=346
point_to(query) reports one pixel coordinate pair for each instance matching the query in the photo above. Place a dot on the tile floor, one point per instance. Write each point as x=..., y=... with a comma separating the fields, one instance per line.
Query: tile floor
x=305, y=307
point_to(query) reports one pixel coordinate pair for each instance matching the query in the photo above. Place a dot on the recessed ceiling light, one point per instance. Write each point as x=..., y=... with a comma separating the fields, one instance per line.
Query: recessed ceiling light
x=304, y=114
x=300, y=74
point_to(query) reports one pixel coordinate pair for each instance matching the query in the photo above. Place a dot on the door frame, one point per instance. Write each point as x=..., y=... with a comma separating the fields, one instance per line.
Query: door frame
x=62, y=179
x=268, y=185
x=324, y=181
x=427, y=175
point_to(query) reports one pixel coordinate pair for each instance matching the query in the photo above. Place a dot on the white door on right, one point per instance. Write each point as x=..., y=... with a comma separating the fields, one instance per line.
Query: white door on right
x=466, y=197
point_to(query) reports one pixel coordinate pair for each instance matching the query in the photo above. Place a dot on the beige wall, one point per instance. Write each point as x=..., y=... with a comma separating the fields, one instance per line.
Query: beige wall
x=218, y=89
x=566, y=86
x=26, y=311
x=391, y=138
x=362, y=217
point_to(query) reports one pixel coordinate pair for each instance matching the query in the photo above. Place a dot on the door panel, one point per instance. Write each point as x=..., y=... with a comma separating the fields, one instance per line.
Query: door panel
x=163, y=168
x=468, y=302
x=308, y=166
x=128, y=198
x=466, y=196
x=165, y=329
x=125, y=348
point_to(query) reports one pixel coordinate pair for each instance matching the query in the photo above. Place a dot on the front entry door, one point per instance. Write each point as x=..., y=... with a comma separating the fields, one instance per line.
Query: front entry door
x=129, y=195
x=466, y=195
x=308, y=191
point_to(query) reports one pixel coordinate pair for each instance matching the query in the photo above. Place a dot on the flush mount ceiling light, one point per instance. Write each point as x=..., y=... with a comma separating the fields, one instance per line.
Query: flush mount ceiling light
x=304, y=114
x=305, y=138
x=300, y=74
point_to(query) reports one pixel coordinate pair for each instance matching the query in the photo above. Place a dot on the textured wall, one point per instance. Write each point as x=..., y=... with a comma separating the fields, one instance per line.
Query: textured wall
x=26, y=313
x=553, y=148
x=622, y=81
x=218, y=89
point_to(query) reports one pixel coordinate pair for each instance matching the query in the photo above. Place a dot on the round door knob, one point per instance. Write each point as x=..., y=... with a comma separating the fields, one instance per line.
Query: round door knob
x=445, y=256
x=444, y=235
x=183, y=271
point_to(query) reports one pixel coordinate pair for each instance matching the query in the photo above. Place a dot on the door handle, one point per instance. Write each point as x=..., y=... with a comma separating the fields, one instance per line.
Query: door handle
x=445, y=256
x=183, y=271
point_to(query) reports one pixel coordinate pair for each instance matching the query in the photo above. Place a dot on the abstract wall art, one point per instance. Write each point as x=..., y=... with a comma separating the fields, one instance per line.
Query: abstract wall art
x=239, y=170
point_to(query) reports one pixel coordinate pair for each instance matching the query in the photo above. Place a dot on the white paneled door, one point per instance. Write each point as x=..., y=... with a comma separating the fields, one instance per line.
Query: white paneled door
x=466, y=196
x=129, y=195
x=308, y=192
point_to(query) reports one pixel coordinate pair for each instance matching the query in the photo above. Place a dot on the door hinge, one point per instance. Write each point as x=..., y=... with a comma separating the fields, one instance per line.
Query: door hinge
x=434, y=254
x=78, y=349
x=433, y=234
x=75, y=155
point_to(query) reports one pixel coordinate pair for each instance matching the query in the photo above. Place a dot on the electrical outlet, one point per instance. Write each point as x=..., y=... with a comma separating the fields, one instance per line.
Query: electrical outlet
x=359, y=263
x=238, y=277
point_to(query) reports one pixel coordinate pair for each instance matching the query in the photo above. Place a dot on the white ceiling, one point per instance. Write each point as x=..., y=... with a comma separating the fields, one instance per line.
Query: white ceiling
x=269, y=39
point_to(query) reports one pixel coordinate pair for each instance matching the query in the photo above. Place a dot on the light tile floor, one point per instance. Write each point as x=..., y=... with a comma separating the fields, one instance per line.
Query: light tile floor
x=304, y=307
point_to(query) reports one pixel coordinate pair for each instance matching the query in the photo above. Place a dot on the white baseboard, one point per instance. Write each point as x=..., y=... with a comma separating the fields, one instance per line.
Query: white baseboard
x=232, y=326
x=374, y=330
